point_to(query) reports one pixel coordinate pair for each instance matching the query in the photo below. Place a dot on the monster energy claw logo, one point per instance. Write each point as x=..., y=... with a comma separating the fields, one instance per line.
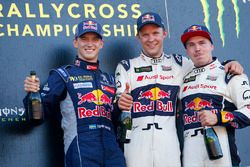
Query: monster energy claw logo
x=220, y=6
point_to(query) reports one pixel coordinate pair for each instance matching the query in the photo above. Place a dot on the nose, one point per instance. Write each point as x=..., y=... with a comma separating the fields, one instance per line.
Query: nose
x=150, y=38
x=89, y=43
x=197, y=47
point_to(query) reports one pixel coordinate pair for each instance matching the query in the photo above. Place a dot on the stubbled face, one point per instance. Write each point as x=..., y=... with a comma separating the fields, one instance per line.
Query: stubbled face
x=151, y=38
x=199, y=49
x=88, y=46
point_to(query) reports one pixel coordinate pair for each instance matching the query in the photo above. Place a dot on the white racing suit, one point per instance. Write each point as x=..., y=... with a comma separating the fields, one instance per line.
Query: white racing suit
x=228, y=96
x=154, y=86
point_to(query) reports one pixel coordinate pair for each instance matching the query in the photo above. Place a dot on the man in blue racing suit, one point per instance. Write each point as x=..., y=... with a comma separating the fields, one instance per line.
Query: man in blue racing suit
x=83, y=94
x=211, y=97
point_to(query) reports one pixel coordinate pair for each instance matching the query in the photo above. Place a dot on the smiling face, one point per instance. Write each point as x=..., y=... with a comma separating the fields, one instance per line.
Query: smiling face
x=199, y=49
x=151, y=38
x=88, y=46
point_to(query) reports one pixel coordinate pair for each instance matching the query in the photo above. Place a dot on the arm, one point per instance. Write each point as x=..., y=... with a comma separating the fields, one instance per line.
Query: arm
x=123, y=99
x=52, y=93
x=239, y=92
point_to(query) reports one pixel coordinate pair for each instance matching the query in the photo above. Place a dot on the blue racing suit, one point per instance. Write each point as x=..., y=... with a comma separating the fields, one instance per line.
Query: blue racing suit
x=84, y=95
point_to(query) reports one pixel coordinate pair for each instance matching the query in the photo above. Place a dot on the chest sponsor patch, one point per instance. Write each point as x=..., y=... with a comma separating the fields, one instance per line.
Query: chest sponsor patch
x=143, y=69
x=190, y=79
x=154, y=77
x=211, y=78
x=81, y=78
x=108, y=89
x=166, y=68
x=82, y=85
x=199, y=86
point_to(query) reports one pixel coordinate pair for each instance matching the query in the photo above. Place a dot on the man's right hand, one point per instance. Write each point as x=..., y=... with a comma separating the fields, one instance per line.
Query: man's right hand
x=125, y=101
x=31, y=85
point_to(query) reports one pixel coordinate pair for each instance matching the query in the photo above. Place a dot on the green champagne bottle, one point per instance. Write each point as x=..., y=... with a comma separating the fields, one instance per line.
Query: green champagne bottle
x=35, y=104
x=126, y=126
x=212, y=143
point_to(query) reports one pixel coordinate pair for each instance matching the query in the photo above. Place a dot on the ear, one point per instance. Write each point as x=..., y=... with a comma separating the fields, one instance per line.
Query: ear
x=212, y=47
x=165, y=33
x=102, y=44
x=75, y=43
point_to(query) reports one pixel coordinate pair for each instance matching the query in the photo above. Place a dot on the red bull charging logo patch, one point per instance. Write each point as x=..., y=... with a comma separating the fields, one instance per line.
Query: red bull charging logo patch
x=197, y=104
x=226, y=116
x=97, y=97
x=154, y=94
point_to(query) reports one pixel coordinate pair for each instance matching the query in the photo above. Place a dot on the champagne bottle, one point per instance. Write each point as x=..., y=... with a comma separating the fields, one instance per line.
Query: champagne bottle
x=35, y=104
x=126, y=126
x=212, y=143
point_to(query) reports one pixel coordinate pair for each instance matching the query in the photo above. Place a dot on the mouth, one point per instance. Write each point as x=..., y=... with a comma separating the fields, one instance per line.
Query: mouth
x=88, y=50
x=198, y=55
x=151, y=46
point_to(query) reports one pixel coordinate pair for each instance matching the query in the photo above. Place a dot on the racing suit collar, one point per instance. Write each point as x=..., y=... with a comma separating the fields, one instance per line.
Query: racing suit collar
x=150, y=60
x=86, y=65
x=215, y=63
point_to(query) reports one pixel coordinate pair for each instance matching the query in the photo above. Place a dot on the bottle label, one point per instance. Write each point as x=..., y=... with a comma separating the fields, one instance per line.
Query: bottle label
x=128, y=132
x=37, y=109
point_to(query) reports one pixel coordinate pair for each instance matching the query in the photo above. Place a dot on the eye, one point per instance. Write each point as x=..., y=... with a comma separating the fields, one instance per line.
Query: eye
x=156, y=33
x=82, y=38
x=190, y=44
x=96, y=39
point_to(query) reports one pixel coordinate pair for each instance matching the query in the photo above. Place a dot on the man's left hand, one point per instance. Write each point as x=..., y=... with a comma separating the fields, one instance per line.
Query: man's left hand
x=234, y=67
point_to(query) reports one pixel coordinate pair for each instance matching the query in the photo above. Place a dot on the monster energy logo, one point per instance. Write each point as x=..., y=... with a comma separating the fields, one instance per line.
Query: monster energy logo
x=220, y=6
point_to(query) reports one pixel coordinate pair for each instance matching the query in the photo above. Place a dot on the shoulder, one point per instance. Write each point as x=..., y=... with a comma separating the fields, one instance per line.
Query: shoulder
x=62, y=71
x=232, y=78
x=107, y=78
x=125, y=64
x=178, y=59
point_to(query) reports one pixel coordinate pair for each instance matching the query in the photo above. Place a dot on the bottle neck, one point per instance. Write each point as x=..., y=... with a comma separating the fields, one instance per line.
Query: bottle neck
x=33, y=77
x=207, y=127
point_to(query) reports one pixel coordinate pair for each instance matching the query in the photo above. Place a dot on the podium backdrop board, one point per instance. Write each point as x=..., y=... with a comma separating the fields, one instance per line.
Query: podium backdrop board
x=37, y=35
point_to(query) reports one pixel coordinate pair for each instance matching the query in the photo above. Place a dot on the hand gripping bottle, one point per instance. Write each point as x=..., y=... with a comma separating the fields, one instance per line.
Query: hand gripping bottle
x=212, y=143
x=35, y=112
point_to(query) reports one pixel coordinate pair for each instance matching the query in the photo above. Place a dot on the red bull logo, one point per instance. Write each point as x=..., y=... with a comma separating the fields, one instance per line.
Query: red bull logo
x=105, y=99
x=146, y=95
x=162, y=94
x=96, y=96
x=154, y=94
x=194, y=28
x=90, y=25
x=160, y=106
x=99, y=111
x=191, y=119
x=148, y=17
x=88, y=97
x=226, y=116
x=198, y=104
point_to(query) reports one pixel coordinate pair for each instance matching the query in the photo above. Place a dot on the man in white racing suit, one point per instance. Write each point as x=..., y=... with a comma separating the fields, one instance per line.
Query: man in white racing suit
x=211, y=97
x=148, y=86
